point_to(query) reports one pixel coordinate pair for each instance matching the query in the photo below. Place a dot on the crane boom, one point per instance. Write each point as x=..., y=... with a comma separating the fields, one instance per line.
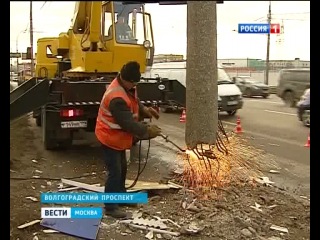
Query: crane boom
x=87, y=20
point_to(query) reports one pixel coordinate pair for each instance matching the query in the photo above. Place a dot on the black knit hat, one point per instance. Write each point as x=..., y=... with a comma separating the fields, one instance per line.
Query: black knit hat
x=131, y=72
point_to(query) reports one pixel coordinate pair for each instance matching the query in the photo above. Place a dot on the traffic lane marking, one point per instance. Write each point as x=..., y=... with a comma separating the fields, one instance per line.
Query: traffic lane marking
x=271, y=102
x=283, y=113
x=172, y=129
x=265, y=136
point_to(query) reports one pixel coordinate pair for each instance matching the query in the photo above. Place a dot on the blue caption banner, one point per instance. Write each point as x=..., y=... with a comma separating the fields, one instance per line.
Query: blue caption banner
x=255, y=28
x=67, y=212
x=94, y=198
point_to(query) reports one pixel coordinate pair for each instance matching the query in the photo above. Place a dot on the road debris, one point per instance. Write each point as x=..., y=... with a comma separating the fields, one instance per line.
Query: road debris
x=33, y=199
x=61, y=189
x=192, y=207
x=274, y=171
x=184, y=205
x=257, y=207
x=150, y=223
x=264, y=180
x=280, y=229
x=50, y=231
x=246, y=232
x=140, y=185
x=149, y=235
x=108, y=226
x=272, y=206
x=274, y=238
x=273, y=144
x=28, y=224
x=34, y=161
x=168, y=220
x=304, y=197
x=155, y=230
x=191, y=229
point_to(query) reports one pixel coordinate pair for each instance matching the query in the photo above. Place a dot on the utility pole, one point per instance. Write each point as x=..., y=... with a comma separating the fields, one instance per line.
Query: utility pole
x=17, y=48
x=31, y=41
x=17, y=53
x=268, y=47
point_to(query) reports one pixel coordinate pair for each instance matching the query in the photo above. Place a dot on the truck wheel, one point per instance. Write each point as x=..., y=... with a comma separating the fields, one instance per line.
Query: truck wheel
x=50, y=144
x=232, y=113
x=165, y=109
x=38, y=121
x=288, y=99
x=248, y=93
x=306, y=118
x=48, y=137
x=65, y=144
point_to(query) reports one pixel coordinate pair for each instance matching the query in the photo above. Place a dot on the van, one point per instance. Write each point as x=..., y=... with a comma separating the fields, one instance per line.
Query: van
x=229, y=94
x=292, y=83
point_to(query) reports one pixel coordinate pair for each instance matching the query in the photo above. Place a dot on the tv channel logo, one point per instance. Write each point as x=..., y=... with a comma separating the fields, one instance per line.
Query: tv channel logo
x=259, y=28
x=71, y=212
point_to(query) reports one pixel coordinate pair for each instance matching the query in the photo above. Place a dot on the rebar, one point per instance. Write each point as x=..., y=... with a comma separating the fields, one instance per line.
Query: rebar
x=212, y=167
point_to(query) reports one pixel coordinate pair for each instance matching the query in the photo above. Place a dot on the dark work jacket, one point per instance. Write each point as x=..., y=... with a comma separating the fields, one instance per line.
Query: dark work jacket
x=123, y=115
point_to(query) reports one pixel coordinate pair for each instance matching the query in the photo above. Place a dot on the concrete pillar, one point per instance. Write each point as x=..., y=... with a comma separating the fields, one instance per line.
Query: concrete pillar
x=201, y=79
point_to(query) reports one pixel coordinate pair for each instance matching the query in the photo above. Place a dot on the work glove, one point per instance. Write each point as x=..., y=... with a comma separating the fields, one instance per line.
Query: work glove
x=153, y=131
x=151, y=112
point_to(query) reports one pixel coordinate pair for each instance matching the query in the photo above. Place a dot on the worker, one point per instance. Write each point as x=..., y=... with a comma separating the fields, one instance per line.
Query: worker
x=117, y=126
x=123, y=30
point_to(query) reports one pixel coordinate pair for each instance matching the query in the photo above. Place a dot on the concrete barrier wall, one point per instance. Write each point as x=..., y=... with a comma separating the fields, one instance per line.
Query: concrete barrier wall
x=259, y=76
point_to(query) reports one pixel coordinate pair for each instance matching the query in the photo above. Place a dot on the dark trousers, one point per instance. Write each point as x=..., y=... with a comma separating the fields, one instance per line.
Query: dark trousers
x=116, y=164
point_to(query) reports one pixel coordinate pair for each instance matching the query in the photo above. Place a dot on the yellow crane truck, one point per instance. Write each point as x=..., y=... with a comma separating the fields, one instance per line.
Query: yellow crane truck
x=73, y=70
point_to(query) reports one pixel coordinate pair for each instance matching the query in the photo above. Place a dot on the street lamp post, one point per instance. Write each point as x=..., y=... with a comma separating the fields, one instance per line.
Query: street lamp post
x=268, y=47
x=31, y=41
x=17, y=47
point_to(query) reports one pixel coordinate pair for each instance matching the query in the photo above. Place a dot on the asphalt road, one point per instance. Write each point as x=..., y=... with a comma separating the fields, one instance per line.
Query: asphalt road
x=270, y=126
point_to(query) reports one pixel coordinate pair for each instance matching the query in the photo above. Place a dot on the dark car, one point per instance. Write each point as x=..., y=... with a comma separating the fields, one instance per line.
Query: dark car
x=292, y=83
x=304, y=108
x=251, y=87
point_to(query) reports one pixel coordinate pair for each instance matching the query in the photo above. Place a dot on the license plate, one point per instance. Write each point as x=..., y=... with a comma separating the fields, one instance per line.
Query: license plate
x=74, y=124
x=232, y=103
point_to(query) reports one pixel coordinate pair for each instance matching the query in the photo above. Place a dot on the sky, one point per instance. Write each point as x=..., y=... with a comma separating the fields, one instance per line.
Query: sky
x=169, y=26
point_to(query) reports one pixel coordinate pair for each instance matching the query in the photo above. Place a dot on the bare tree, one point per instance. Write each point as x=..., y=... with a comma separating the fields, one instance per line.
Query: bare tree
x=201, y=79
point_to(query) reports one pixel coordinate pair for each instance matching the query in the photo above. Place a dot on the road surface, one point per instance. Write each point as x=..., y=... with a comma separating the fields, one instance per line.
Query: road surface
x=270, y=126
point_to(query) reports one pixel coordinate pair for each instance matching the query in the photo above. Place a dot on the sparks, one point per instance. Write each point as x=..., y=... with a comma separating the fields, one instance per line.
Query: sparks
x=209, y=168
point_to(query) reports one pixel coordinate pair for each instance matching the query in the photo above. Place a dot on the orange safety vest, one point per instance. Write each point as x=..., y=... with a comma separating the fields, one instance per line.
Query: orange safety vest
x=107, y=130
